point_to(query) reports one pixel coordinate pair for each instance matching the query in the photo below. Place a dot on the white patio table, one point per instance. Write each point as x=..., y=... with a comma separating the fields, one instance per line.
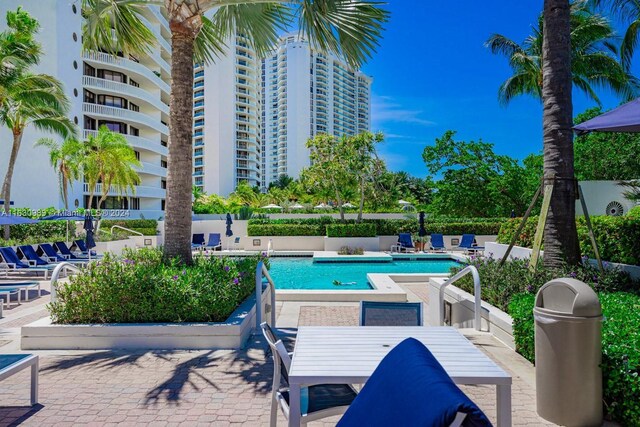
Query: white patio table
x=349, y=355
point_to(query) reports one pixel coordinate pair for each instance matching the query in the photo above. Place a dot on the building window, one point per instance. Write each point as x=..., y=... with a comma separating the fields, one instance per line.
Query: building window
x=112, y=101
x=75, y=37
x=114, y=126
x=89, y=123
x=163, y=163
x=134, y=131
x=89, y=97
x=89, y=70
x=135, y=203
x=163, y=184
x=137, y=155
x=134, y=83
x=134, y=107
x=162, y=204
x=112, y=75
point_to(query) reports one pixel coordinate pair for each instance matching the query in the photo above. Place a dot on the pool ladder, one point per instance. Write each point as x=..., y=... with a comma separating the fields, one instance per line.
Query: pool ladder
x=263, y=273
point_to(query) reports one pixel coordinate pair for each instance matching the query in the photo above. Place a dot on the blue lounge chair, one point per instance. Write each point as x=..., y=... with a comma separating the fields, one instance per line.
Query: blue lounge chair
x=373, y=313
x=410, y=388
x=318, y=401
x=214, y=242
x=82, y=247
x=437, y=242
x=197, y=241
x=11, y=261
x=46, y=250
x=28, y=253
x=405, y=243
x=467, y=243
x=66, y=252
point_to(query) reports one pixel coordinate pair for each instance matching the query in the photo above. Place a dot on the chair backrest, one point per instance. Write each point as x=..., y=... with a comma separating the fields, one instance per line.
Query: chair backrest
x=29, y=253
x=198, y=239
x=10, y=256
x=214, y=239
x=405, y=240
x=237, y=240
x=81, y=245
x=467, y=240
x=281, y=359
x=437, y=240
x=373, y=313
x=63, y=249
x=48, y=250
x=396, y=391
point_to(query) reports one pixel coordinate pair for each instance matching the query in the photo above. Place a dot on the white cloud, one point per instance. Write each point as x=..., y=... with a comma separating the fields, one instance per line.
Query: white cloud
x=384, y=109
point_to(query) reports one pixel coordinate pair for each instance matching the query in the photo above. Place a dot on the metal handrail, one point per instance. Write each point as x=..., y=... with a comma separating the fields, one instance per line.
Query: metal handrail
x=476, y=290
x=262, y=271
x=56, y=273
x=126, y=229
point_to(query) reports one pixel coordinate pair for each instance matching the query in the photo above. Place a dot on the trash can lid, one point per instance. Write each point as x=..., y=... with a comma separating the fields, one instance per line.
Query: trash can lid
x=568, y=296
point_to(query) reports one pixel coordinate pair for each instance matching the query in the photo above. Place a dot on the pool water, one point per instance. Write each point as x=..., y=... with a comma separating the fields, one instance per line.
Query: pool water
x=303, y=273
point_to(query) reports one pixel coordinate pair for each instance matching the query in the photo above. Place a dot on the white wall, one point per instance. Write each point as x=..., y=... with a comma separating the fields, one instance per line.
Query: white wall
x=598, y=194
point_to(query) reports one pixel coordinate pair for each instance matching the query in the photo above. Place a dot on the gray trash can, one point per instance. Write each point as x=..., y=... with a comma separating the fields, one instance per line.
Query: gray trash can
x=568, y=353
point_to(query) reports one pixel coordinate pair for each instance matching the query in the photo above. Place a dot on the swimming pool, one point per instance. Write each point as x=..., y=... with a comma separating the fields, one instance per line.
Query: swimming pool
x=304, y=274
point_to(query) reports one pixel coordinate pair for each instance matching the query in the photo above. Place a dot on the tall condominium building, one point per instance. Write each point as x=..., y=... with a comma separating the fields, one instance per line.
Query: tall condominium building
x=129, y=95
x=307, y=92
x=226, y=120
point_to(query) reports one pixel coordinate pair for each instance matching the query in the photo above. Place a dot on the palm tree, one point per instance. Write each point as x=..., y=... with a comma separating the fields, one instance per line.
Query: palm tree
x=350, y=28
x=594, y=60
x=627, y=10
x=66, y=159
x=110, y=160
x=36, y=100
x=560, y=235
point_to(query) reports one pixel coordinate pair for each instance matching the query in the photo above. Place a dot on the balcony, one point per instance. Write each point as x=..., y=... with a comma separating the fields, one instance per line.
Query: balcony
x=198, y=144
x=138, y=143
x=158, y=14
x=152, y=169
x=140, y=191
x=198, y=162
x=157, y=33
x=127, y=66
x=197, y=134
x=124, y=89
x=124, y=114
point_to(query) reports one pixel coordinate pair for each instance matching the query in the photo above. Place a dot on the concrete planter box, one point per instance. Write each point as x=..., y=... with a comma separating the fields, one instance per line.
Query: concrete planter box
x=280, y=243
x=494, y=320
x=366, y=243
x=231, y=334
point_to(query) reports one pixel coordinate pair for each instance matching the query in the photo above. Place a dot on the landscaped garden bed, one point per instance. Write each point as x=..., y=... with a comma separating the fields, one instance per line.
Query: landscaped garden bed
x=142, y=302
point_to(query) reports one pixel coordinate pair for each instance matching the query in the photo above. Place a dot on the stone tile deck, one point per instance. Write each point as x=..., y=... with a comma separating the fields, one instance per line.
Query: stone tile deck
x=194, y=388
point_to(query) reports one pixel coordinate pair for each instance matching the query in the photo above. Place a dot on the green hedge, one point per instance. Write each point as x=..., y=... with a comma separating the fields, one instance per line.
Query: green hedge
x=618, y=237
x=129, y=223
x=351, y=230
x=42, y=231
x=286, y=230
x=620, y=350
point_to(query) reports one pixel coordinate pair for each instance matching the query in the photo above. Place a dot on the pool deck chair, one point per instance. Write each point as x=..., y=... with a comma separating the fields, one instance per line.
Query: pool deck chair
x=28, y=253
x=66, y=252
x=405, y=243
x=82, y=247
x=466, y=243
x=318, y=401
x=374, y=313
x=437, y=242
x=410, y=388
x=46, y=251
x=197, y=241
x=11, y=262
x=13, y=363
x=214, y=242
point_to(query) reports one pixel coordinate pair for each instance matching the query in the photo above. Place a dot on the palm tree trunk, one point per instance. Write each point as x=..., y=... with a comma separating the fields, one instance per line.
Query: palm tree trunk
x=560, y=236
x=177, y=225
x=6, y=185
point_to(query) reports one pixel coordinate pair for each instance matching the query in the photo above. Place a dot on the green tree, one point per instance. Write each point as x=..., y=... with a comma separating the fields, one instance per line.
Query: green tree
x=283, y=181
x=594, y=58
x=66, y=159
x=629, y=12
x=606, y=155
x=475, y=181
x=330, y=173
x=345, y=27
x=110, y=161
x=362, y=160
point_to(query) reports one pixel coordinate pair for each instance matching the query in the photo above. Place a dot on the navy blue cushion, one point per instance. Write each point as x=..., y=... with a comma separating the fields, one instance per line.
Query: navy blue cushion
x=10, y=257
x=410, y=388
x=30, y=254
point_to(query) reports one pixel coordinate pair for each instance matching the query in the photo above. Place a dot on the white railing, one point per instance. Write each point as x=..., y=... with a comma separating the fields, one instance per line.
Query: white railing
x=125, y=89
x=261, y=271
x=477, y=309
x=156, y=32
x=126, y=229
x=63, y=266
x=137, y=142
x=128, y=65
x=124, y=114
x=152, y=169
x=140, y=191
x=157, y=57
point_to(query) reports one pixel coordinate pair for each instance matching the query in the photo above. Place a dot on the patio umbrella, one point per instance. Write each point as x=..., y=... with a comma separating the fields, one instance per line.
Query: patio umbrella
x=296, y=206
x=15, y=220
x=323, y=206
x=272, y=206
x=65, y=216
x=348, y=205
x=625, y=118
x=421, y=231
x=403, y=202
x=229, y=232
x=88, y=227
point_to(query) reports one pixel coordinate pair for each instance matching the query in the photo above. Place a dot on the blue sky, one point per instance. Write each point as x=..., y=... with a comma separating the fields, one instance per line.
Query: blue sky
x=432, y=73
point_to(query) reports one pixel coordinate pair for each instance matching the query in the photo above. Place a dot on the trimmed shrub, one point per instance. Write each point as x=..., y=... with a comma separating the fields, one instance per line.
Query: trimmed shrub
x=285, y=229
x=620, y=350
x=634, y=212
x=147, y=227
x=143, y=289
x=618, y=237
x=348, y=250
x=351, y=230
x=43, y=231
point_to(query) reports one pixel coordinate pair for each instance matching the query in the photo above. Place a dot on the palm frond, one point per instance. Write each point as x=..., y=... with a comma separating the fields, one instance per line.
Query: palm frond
x=114, y=26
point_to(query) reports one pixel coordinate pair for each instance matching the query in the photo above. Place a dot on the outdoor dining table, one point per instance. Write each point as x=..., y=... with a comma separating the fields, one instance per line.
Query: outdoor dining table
x=349, y=355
